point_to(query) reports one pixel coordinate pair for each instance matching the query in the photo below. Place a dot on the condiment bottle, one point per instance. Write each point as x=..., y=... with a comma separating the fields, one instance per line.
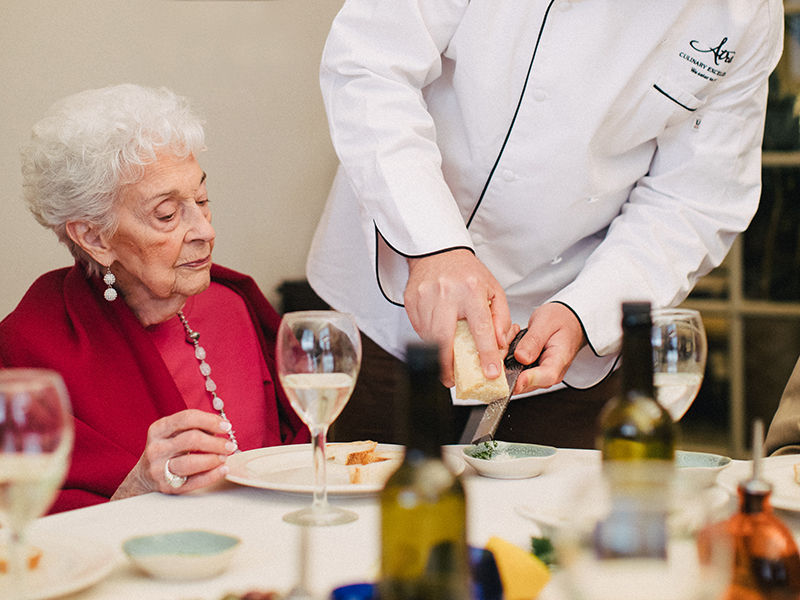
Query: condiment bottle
x=424, y=553
x=637, y=441
x=766, y=565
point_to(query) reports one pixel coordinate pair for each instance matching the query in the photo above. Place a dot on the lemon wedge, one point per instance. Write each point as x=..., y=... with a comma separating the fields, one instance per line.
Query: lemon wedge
x=522, y=574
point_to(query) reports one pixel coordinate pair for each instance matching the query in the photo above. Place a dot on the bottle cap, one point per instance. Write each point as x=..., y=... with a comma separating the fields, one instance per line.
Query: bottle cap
x=635, y=313
x=422, y=356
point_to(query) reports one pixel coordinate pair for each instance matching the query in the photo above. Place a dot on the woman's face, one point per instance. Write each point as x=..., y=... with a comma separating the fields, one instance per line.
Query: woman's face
x=162, y=246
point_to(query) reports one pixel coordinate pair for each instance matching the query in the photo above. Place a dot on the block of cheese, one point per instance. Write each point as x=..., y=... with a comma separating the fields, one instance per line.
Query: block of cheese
x=471, y=383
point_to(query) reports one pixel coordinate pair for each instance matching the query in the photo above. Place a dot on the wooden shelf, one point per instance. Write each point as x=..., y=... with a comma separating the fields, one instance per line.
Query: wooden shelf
x=772, y=158
x=747, y=308
x=791, y=6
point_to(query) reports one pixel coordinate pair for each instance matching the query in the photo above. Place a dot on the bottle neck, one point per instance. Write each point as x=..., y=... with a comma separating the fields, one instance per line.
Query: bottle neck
x=637, y=361
x=754, y=498
x=427, y=408
x=425, y=419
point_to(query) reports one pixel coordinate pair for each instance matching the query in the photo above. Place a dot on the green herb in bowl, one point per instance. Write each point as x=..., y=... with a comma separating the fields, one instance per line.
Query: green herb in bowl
x=484, y=450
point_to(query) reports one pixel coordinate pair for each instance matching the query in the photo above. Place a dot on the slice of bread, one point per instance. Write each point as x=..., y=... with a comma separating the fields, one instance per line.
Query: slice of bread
x=471, y=383
x=352, y=453
x=356, y=456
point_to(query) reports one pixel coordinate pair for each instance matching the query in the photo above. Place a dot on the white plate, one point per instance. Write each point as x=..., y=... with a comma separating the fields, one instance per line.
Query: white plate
x=778, y=470
x=291, y=469
x=66, y=566
x=550, y=516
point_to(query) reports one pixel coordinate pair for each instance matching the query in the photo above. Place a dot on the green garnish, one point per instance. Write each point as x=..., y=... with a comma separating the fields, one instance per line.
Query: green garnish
x=542, y=548
x=486, y=450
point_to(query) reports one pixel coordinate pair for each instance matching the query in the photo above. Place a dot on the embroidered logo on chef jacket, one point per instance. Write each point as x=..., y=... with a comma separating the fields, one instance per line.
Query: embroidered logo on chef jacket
x=712, y=66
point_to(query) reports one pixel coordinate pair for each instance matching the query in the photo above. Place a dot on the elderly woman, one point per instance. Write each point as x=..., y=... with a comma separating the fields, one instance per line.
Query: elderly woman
x=141, y=320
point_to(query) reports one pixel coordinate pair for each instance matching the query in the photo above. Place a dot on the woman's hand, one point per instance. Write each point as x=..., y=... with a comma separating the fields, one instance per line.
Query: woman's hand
x=554, y=337
x=196, y=445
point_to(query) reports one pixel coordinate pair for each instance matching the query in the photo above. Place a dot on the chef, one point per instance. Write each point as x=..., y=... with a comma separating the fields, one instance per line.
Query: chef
x=533, y=163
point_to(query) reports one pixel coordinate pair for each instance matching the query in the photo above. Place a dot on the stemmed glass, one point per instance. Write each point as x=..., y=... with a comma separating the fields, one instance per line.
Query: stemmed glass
x=679, y=357
x=641, y=545
x=35, y=443
x=318, y=357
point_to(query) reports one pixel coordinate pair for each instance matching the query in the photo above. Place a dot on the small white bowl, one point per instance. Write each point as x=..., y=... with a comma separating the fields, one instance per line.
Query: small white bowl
x=508, y=460
x=186, y=554
x=699, y=469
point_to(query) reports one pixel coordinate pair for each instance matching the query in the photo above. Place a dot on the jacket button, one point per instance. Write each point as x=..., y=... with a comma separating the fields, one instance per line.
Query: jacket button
x=509, y=175
x=539, y=94
x=565, y=6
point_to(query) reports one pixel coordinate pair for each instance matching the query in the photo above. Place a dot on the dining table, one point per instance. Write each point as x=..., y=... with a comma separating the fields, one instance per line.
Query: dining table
x=83, y=556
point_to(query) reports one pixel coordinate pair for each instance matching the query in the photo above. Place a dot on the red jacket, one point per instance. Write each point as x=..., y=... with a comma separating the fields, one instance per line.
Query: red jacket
x=117, y=381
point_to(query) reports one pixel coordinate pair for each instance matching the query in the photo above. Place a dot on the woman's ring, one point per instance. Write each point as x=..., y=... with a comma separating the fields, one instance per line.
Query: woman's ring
x=173, y=480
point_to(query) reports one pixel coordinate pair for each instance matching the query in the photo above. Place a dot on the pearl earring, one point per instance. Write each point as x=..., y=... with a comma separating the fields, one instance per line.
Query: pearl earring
x=110, y=293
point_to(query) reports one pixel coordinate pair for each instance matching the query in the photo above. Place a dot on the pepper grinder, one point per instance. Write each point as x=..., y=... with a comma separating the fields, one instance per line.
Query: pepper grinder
x=766, y=565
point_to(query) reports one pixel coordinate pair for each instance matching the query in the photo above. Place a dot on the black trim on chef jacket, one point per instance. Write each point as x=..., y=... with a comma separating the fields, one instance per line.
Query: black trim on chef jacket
x=655, y=85
x=379, y=237
x=514, y=118
x=488, y=180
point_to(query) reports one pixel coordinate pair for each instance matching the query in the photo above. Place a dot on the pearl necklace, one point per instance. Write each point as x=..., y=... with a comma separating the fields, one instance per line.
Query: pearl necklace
x=193, y=338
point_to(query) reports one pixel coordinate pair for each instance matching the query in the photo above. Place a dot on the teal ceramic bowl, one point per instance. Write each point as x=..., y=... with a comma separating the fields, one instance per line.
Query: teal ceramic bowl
x=699, y=468
x=186, y=554
x=508, y=460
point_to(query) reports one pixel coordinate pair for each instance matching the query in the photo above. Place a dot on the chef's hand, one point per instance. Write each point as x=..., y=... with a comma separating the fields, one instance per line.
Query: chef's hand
x=554, y=336
x=196, y=445
x=445, y=287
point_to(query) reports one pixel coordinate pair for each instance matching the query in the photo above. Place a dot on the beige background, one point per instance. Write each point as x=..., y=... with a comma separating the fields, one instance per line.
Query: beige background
x=250, y=69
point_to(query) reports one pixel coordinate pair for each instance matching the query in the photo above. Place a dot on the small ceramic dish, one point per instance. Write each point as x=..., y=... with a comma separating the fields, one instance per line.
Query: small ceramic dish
x=508, y=460
x=186, y=554
x=699, y=468
x=452, y=456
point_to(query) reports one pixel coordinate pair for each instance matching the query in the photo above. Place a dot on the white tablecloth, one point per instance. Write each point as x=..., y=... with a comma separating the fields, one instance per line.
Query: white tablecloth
x=268, y=556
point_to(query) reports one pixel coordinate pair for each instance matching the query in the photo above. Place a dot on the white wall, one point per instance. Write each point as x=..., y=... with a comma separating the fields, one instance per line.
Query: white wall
x=249, y=67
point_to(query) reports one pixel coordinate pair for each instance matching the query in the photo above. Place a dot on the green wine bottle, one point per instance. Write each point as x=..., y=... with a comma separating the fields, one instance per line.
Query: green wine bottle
x=637, y=440
x=424, y=552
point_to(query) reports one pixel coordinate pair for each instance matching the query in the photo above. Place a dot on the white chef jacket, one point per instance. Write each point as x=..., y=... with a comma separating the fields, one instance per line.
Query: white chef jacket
x=588, y=151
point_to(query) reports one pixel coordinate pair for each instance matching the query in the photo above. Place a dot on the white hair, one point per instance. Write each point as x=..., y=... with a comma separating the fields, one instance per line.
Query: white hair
x=94, y=142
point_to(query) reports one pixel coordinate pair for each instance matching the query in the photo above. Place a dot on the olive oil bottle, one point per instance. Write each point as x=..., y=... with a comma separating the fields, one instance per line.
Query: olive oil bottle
x=766, y=562
x=637, y=441
x=424, y=552
x=633, y=425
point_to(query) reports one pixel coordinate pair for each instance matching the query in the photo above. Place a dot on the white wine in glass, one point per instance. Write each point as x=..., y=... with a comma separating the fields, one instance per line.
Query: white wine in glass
x=36, y=437
x=318, y=358
x=679, y=357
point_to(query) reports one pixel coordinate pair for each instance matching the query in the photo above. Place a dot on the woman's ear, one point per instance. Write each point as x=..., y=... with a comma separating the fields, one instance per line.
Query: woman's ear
x=93, y=242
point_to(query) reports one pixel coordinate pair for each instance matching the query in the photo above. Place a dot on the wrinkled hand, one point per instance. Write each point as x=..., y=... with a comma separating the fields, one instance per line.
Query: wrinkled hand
x=196, y=444
x=554, y=336
x=452, y=285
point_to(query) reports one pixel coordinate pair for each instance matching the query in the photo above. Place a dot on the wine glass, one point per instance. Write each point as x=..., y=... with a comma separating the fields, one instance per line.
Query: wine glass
x=641, y=542
x=679, y=357
x=318, y=356
x=35, y=443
